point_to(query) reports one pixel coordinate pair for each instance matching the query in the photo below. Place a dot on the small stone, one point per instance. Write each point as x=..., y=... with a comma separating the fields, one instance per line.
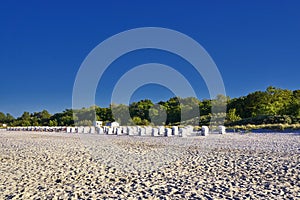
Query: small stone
x=122, y=180
x=58, y=181
x=40, y=187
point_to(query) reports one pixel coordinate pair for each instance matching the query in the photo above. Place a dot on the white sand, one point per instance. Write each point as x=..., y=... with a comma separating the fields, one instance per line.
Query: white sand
x=78, y=166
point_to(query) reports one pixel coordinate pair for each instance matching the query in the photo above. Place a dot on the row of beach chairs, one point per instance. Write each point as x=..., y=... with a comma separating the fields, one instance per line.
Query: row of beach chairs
x=127, y=130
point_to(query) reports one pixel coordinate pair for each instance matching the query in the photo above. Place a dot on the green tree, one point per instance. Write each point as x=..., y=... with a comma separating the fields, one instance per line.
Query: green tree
x=219, y=104
x=232, y=116
x=63, y=119
x=9, y=118
x=173, y=110
x=121, y=114
x=53, y=122
x=84, y=116
x=141, y=109
x=277, y=101
x=137, y=121
x=44, y=117
x=294, y=109
x=190, y=109
x=158, y=115
x=24, y=120
x=104, y=114
x=205, y=107
x=2, y=117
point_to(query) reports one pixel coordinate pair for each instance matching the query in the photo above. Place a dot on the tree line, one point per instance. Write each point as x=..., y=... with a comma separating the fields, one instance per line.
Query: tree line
x=274, y=105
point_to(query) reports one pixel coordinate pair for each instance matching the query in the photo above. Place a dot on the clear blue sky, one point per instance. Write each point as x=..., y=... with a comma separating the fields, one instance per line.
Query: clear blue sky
x=42, y=44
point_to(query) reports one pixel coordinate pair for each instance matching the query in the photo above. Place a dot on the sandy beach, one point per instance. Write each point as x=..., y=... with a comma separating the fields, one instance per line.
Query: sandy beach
x=37, y=165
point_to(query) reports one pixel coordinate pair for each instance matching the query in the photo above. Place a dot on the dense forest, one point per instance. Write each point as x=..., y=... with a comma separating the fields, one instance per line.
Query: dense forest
x=273, y=106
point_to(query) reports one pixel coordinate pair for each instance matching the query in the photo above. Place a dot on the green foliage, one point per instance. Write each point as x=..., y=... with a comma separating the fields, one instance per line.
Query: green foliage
x=276, y=127
x=84, y=123
x=63, y=119
x=205, y=107
x=2, y=117
x=232, y=116
x=172, y=106
x=139, y=121
x=53, y=122
x=272, y=106
x=273, y=101
x=294, y=107
x=158, y=115
x=141, y=109
x=205, y=120
x=219, y=104
x=121, y=114
x=265, y=119
x=82, y=117
x=104, y=114
x=9, y=118
x=189, y=109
